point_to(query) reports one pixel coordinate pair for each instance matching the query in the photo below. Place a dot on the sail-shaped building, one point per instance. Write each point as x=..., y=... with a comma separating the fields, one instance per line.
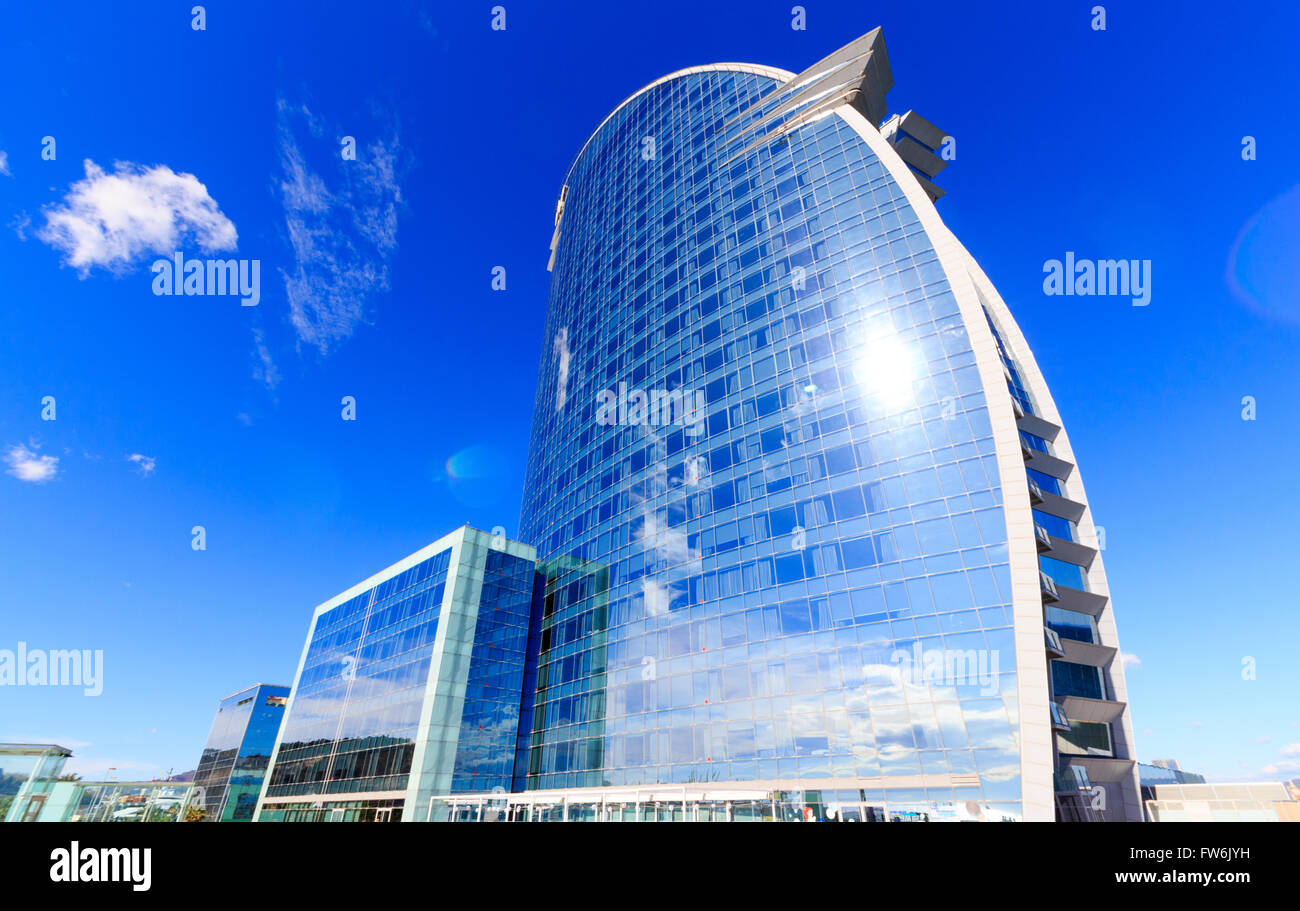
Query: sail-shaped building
x=822, y=544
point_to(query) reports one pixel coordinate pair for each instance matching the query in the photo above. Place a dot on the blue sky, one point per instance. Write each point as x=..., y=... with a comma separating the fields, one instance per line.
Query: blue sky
x=375, y=283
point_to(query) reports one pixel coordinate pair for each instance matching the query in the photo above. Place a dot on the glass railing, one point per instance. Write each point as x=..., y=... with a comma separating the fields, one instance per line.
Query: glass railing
x=1035, y=492
x=1053, y=641
x=1048, y=586
x=1044, y=539
x=1072, y=778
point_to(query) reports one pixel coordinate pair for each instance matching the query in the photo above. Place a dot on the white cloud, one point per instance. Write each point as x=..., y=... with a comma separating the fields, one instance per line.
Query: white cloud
x=26, y=465
x=1280, y=769
x=1130, y=660
x=1291, y=749
x=4, y=163
x=343, y=236
x=143, y=462
x=115, y=220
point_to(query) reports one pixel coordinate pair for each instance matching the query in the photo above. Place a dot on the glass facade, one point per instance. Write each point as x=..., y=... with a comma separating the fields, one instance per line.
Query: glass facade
x=29, y=774
x=233, y=764
x=763, y=422
x=410, y=685
x=116, y=801
x=790, y=496
x=489, y=726
x=357, y=701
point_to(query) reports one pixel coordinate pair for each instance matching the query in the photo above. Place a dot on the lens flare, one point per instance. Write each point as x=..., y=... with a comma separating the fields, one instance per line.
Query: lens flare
x=885, y=369
x=1262, y=265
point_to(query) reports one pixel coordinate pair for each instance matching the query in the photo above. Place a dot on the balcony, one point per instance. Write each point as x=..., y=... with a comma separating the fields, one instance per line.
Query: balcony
x=1069, y=551
x=1046, y=463
x=1032, y=423
x=1088, y=653
x=1057, y=505
x=1104, y=768
x=1073, y=599
x=1096, y=711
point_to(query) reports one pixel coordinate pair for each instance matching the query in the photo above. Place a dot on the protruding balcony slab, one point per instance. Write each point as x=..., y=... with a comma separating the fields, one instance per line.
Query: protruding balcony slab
x=1048, y=464
x=1056, y=505
x=1102, y=768
x=1084, y=602
x=1096, y=711
x=1087, y=653
x=1071, y=551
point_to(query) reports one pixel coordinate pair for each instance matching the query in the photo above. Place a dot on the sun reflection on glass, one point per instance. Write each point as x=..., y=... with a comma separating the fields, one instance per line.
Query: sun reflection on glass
x=885, y=369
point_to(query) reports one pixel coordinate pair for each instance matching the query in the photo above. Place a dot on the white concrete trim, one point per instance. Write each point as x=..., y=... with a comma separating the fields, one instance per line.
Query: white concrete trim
x=1122, y=739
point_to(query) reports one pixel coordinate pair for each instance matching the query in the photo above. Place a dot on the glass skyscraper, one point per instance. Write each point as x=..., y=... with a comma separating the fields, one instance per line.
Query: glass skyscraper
x=814, y=543
x=230, y=771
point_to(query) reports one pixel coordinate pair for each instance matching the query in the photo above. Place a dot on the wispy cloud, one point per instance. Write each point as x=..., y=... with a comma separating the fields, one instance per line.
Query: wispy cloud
x=264, y=369
x=144, y=463
x=4, y=163
x=1130, y=660
x=26, y=465
x=1289, y=763
x=342, y=226
x=115, y=220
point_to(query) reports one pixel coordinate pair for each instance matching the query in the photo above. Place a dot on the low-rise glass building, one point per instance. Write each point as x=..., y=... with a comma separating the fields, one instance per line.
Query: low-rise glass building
x=28, y=775
x=117, y=801
x=233, y=764
x=409, y=686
